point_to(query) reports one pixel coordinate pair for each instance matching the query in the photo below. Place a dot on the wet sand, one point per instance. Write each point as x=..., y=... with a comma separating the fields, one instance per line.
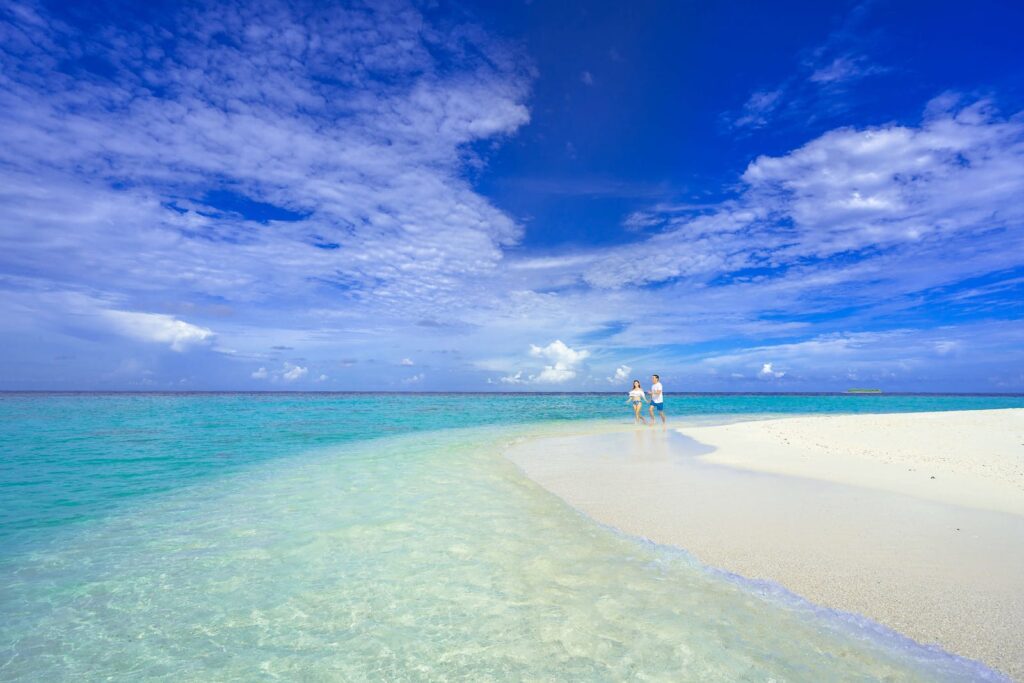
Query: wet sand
x=938, y=564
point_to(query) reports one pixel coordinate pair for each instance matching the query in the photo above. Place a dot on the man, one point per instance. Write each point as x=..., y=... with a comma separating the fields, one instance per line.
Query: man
x=657, y=398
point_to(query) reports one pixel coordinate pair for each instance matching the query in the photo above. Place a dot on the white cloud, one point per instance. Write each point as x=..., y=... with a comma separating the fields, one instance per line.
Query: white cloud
x=293, y=372
x=758, y=107
x=844, y=68
x=850, y=189
x=621, y=374
x=406, y=362
x=563, y=364
x=322, y=378
x=816, y=89
x=955, y=177
x=587, y=78
x=364, y=174
x=842, y=348
x=560, y=353
x=415, y=379
x=289, y=372
x=157, y=327
x=768, y=373
x=381, y=237
x=891, y=359
x=641, y=220
x=554, y=374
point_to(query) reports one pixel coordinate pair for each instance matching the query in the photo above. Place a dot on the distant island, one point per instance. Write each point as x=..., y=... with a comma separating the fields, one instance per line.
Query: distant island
x=863, y=391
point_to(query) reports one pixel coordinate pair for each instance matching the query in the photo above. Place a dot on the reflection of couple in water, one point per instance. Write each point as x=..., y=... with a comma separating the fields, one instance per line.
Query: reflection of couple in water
x=637, y=396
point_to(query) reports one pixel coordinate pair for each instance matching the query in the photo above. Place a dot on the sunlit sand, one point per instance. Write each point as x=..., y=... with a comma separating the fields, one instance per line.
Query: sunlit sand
x=913, y=520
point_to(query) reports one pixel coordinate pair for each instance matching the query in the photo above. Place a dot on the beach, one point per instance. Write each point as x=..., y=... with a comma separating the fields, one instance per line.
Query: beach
x=303, y=536
x=340, y=339
x=913, y=520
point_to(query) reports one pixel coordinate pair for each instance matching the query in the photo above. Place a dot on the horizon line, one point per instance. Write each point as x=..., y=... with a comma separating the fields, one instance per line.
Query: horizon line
x=184, y=392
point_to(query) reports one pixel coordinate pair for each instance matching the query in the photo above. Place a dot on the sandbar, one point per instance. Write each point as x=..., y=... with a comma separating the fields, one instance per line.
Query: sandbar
x=914, y=520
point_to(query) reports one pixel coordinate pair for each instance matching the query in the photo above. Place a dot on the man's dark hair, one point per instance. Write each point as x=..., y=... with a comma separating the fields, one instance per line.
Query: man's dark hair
x=658, y=376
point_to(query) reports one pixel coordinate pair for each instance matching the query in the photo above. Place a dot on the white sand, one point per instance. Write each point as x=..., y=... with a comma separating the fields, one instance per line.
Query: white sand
x=973, y=458
x=842, y=510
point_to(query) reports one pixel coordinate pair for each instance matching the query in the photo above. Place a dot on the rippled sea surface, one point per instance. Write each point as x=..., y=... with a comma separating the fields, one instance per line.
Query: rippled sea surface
x=377, y=537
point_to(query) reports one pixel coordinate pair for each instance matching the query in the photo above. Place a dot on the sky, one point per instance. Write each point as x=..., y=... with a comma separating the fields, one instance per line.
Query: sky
x=515, y=196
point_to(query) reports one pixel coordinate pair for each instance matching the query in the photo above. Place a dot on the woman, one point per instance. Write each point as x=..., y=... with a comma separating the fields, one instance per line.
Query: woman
x=637, y=397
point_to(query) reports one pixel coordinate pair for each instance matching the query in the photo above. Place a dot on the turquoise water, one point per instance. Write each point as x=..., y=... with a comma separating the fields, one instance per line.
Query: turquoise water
x=367, y=537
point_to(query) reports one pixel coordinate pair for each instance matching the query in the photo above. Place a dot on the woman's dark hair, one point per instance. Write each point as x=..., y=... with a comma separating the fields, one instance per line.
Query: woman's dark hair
x=635, y=382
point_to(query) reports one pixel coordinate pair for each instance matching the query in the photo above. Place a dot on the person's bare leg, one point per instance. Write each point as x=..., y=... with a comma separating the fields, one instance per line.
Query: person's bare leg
x=652, y=413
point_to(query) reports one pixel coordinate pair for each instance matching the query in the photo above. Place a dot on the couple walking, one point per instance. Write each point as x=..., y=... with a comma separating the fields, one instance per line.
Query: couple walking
x=637, y=396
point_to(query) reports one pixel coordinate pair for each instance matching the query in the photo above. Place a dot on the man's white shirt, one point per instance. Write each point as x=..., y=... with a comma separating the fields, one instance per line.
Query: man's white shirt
x=656, y=393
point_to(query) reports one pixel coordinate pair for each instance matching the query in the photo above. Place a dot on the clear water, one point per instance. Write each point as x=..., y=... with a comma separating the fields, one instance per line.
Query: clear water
x=356, y=537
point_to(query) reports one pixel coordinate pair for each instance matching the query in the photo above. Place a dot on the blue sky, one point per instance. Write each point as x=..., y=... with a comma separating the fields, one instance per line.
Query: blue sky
x=530, y=196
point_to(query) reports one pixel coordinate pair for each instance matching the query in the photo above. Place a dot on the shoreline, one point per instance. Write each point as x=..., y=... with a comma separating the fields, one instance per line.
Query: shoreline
x=847, y=531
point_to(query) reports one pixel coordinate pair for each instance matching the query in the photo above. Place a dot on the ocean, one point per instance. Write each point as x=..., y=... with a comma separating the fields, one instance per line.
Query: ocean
x=323, y=536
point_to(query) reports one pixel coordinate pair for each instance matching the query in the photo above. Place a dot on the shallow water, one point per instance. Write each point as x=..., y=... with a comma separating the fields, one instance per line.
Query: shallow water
x=254, y=549
x=67, y=458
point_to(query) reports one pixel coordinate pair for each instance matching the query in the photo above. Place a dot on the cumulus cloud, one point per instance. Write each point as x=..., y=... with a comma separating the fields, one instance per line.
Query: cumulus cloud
x=558, y=352
x=414, y=379
x=554, y=374
x=768, y=373
x=406, y=362
x=157, y=327
x=563, y=364
x=290, y=373
x=564, y=361
x=621, y=374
